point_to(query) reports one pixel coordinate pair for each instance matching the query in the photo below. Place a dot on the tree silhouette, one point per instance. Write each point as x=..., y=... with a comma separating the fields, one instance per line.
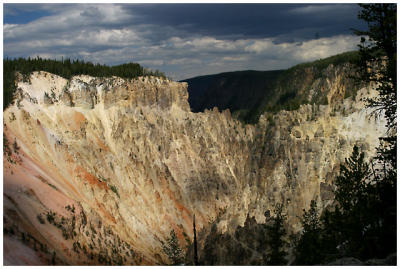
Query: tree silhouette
x=378, y=64
x=195, y=257
x=172, y=249
x=308, y=248
x=378, y=56
x=277, y=231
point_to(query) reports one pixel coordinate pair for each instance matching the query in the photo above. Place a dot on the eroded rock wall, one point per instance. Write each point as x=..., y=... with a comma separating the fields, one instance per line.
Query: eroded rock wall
x=134, y=163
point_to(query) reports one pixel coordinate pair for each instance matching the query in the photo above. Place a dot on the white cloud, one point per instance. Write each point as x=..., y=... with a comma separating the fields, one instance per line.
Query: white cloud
x=151, y=62
x=70, y=20
x=317, y=9
x=9, y=27
x=259, y=46
x=99, y=33
x=324, y=47
x=234, y=58
x=185, y=61
x=307, y=50
x=201, y=43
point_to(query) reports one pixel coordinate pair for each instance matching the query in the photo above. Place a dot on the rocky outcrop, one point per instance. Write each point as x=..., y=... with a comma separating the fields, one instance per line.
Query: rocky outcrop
x=248, y=94
x=134, y=163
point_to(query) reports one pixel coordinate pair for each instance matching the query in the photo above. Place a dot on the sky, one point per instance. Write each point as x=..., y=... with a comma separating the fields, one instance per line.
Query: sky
x=182, y=40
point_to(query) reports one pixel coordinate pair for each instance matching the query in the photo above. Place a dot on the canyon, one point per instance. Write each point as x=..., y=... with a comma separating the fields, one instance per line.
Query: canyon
x=100, y=170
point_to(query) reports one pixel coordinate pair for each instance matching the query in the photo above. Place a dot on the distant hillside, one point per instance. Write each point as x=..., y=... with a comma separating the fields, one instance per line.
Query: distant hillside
x=237, y=91
x=250, y=93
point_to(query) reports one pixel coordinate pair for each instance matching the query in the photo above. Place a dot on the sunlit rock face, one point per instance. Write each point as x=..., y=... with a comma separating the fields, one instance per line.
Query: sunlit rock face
x=100, y=170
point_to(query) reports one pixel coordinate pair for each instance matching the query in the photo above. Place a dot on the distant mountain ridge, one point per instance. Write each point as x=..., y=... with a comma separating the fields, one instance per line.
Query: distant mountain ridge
x=250, y=93
x=240, y=90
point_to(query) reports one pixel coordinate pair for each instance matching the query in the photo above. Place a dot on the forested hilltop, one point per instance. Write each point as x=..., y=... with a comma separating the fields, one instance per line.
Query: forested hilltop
x=66, y=68
x=248, y=94
x=238, y=91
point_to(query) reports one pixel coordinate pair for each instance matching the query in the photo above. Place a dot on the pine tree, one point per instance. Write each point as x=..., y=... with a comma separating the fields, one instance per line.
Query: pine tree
x=355, y=226
x=195, y=257
x=378, y=56
x=308, y=249
x=352, y=181
x=356, y=209
x=277, y=232
x=172, y=249
x=209, y=256
x=53, y=258
x=378, y=64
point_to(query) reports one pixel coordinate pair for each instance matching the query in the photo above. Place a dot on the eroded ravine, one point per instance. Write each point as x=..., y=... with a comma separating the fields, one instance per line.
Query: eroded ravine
x=134, y=163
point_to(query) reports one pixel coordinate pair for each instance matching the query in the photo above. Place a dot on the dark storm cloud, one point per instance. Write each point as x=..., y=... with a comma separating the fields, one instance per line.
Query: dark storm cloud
x=182, y=39
x=233, y=21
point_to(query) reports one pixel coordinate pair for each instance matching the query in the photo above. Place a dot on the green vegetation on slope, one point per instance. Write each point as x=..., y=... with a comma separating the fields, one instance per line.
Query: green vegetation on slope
x=306, y=84
x=238, y=91
x=248, y=94
x=65, y=68
x=251, y=244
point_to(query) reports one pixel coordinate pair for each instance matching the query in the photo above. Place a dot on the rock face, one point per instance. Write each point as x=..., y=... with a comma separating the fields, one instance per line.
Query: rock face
x=99, y=170
x=248, y=94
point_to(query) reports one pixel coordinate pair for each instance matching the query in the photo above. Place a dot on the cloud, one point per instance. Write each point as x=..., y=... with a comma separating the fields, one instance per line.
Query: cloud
x=71, y=20
x=324, y=47
x=185, y=61
x=304, y=51
x=318, y=9
x=9, y=27
x=152, y=62
x=234, y=59
x=181, y=40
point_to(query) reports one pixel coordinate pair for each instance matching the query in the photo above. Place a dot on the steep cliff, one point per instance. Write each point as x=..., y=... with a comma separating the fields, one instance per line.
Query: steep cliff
x=248, y=94
x=99, y=170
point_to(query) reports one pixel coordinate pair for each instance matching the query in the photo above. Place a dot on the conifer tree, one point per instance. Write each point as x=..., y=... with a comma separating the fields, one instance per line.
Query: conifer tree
x=173, y=250
x=363, y=224
x=308, y=248
x=379, y=65
x=378, y=56
x=355, y=226
x=277, y=243
x=356, y=198
x=195, y=257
